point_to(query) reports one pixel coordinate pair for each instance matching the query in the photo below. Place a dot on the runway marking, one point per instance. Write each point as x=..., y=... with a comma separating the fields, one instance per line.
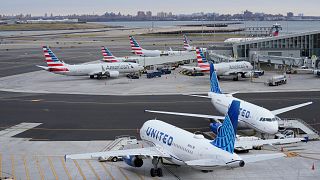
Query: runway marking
x=36, y=100
x=26, y=167
x=65, y=168
x=52, y=168
x=121, y=170
x=92, y=169
x=79, y=169
x=106, y=170
x=13, y=172
x=139, y=176
x=39, y=167
x=17, y=129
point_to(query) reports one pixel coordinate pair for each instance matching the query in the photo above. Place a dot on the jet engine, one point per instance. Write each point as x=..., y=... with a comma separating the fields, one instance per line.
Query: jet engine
x=113, y=74
x=214, y=127
x=133, y=161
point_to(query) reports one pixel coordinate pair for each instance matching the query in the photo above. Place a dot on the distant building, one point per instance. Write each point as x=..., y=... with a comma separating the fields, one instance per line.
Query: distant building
x=149, y=14
x=290, y=14
x=141, y=14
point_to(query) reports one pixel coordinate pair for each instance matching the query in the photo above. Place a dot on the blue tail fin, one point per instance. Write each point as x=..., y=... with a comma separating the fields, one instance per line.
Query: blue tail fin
x=227, y=132
x=214, y=83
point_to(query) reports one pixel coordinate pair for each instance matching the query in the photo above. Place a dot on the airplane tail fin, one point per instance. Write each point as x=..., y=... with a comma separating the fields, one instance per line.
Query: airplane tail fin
x=225, y=139
x=214, y=83
x=107, y=55
x=200, y=57
x=186, y=44
x=135, y=47
x=54, y=64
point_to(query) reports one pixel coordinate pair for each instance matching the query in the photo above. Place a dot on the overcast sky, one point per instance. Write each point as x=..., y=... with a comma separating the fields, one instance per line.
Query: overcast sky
x=64, y=7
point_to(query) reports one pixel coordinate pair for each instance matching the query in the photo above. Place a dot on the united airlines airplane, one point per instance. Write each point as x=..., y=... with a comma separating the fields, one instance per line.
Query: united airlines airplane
x=184, y=148
x=92, y=70
x=251, y=115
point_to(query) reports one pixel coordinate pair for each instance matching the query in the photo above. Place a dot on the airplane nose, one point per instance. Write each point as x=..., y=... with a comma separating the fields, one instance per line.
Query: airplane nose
x=274, y=128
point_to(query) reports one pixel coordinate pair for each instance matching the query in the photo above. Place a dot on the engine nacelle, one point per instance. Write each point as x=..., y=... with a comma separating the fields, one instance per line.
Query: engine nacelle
x=113, y=74
x=133, y=161
x=214, y=127
x=236, y=164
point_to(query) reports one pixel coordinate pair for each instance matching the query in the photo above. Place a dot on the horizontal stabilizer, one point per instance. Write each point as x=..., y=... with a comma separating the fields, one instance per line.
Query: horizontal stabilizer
x=261, y=157
x=186, y=114
x=286, y=109
x=200, y=96
x=205, y=163
x=43, y=67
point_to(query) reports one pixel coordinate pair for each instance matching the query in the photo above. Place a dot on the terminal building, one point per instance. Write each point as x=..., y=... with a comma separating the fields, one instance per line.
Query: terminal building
x=294, y=47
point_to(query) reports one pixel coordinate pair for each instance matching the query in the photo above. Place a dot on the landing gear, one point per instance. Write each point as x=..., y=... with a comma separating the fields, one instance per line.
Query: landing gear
x=236, y=78
x=156, y=171
x=99, y=76
x=91, y=76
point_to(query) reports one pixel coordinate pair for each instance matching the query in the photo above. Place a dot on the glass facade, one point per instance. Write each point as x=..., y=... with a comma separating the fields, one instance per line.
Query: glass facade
x=307, y=44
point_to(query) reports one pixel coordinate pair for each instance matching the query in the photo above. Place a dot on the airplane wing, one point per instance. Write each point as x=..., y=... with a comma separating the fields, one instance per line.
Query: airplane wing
x=186, y=114
x=145, y=152
x=194, y=68
x=261, y=157
x=286, y=109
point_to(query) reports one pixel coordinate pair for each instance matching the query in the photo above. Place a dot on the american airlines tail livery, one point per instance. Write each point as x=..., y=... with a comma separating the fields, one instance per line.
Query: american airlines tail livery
x=97, y=70
x=184, y=148
x=138, y=50
x=186, y=44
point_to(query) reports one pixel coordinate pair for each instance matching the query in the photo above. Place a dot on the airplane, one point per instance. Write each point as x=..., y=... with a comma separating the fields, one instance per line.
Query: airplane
x=184, y=148
x=138, y=50
x=186, y=44
x=251, y=116
x=222, y=69
x=92, y=70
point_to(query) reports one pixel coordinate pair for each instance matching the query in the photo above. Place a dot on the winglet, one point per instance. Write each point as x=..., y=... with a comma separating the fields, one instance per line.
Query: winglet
x=214, y=83
x=225, y=139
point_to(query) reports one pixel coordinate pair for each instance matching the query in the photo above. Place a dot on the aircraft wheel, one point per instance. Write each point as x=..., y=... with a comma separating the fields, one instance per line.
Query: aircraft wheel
x=91, y=76
x=114, y=159
x=153, y=172
x=159, y=172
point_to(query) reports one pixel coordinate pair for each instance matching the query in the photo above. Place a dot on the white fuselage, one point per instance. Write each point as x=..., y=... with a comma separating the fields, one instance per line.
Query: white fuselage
x=183, y=146
x=91, y=69
x=251, y=116
x=223, y=69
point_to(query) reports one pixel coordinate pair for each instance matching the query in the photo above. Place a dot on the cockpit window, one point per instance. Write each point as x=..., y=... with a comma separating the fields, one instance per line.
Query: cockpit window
x=268, y=119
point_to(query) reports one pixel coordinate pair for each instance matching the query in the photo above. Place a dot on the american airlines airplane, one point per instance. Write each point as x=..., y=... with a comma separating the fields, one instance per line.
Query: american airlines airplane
x=184, y=148
x=251, y=115
x=222, y=69
x=92, y=70
x=138, y=50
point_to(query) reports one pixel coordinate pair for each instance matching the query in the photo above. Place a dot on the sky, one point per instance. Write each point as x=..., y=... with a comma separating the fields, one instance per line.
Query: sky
x=65, y=7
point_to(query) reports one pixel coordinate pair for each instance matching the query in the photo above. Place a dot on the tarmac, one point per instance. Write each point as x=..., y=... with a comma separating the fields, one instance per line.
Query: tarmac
x=44, y=116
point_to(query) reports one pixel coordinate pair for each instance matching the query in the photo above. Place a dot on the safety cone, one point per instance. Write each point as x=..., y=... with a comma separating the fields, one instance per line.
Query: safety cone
x=312, y=168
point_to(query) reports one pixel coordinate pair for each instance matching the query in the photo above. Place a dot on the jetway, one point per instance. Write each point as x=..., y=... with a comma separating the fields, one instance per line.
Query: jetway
x=182, y=56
